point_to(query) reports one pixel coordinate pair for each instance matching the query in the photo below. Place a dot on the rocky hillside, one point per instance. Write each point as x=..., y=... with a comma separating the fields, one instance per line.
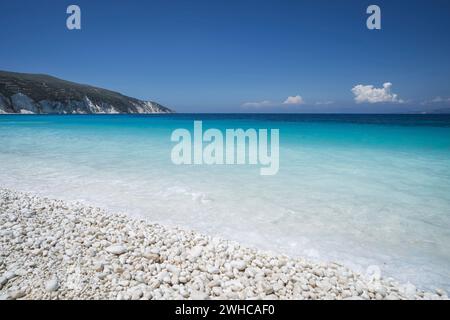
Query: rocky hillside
x=38, y=93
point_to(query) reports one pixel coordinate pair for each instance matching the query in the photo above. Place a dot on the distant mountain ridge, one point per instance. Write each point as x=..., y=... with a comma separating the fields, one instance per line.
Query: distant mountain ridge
x=44, y=94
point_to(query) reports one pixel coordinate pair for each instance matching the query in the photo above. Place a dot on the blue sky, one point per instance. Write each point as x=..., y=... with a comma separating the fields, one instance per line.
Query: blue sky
x=240, y=56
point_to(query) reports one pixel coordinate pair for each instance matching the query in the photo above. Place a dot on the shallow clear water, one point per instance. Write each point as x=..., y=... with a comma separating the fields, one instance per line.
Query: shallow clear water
x=360, y=189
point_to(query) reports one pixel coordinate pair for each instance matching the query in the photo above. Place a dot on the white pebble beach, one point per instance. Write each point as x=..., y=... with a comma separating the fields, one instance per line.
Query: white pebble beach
x=52, y=249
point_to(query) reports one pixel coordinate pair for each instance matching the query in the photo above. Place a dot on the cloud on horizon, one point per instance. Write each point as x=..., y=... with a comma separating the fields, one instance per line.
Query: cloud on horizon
x=324, y=103
x=370, y=94
x=437, y=100
x=294, y=100
x=291, y=101
x=259, y=104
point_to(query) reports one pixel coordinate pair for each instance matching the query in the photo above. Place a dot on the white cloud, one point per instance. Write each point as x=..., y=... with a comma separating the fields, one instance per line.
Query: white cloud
x=436, y=100
x=294, y=100
x=291, y=101
x=265, y=103
x=324, y=103
x=370, y=94
x=440, y=100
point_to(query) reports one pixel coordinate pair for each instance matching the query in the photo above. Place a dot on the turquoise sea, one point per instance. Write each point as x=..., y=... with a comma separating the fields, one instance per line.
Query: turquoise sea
x=359, y=189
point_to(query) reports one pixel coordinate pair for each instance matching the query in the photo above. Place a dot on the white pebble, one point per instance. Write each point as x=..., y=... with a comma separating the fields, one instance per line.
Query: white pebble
x=52, y=285
x=116, y=249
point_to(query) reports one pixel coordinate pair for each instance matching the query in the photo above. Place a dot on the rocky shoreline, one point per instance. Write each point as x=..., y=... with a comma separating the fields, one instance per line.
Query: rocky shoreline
x=52, y=249
x=25, y=93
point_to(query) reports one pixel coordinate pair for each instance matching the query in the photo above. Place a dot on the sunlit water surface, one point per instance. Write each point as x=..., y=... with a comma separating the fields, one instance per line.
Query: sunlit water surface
x=359, y=189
